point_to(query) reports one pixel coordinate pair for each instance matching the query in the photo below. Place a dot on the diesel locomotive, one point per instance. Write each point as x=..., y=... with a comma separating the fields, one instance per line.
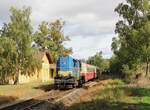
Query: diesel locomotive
x=73, y=72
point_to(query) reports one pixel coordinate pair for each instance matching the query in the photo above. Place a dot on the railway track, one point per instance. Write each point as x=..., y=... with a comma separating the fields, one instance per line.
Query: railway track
x=54, y=96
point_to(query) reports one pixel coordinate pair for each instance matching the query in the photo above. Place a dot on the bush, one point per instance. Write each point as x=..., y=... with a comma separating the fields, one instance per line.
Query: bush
x=114, y=94
x=132, y=73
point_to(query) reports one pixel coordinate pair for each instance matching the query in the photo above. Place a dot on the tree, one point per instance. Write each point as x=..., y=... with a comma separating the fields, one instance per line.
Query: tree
x=98, y=61
x=145, y=44
x=50, y=36
x=8, y=57
x=19, y=32
x=131, y=47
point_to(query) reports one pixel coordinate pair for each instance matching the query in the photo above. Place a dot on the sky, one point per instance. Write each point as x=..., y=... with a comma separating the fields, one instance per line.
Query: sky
x=90, y=24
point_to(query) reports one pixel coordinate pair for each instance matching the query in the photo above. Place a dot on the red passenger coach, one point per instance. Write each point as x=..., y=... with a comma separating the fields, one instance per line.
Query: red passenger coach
x=88, y=71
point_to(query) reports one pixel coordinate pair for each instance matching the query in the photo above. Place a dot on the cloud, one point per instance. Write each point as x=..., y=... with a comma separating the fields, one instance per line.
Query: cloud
x=85, y=46
x=89, y=23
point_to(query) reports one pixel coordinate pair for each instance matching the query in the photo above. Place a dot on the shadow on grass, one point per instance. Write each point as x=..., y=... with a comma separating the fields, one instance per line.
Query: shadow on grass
x=139, y=92
x=7, y=99
x=107, y=105
x=50, y=87
x=113, y=99
x=131, y=91
x=45, y=88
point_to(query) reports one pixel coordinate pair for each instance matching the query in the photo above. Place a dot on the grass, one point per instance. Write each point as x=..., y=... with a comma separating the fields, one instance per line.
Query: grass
x=10, y=93
x=115, y=96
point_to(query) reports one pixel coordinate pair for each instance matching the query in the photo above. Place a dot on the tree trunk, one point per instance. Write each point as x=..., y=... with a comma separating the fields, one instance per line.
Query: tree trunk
x=17, y=76
x=147, y=67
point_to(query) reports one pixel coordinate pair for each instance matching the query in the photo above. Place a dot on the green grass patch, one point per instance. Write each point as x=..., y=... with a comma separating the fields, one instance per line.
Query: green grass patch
x=24, y=90
x=115, y=96
x=140, y=92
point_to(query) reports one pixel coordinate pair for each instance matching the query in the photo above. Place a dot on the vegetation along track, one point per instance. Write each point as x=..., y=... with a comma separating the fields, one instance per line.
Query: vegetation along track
x=54, y=96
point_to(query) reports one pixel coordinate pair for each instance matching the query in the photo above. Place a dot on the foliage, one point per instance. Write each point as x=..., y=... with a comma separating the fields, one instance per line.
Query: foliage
x=99, y=61
x=18, y=34
x=115, y=66
x=131, y=47
x=50, y=36
x=20, y=46
x=7, y=58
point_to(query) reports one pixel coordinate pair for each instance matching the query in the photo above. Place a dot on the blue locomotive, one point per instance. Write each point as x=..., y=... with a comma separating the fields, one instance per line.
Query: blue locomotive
x=72, y=72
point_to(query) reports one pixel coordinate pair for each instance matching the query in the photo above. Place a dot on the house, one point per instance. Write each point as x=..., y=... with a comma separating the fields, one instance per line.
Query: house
x=46, y=73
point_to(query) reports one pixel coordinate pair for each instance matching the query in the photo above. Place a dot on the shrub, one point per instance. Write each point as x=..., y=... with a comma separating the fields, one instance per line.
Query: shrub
x=132, y=73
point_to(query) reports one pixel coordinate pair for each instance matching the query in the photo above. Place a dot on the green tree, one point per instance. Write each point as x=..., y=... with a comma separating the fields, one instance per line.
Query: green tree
x=8, y=57
x=99, y=61
x=145, y=44
x=19, y=31
x=131, y=47
x=50, y=36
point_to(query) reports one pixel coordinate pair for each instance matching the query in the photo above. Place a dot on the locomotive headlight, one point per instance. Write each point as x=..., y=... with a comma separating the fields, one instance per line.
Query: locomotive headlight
x=65, y=74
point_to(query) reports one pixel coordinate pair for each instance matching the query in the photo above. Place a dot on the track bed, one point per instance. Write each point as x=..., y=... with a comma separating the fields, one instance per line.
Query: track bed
x=67, y=97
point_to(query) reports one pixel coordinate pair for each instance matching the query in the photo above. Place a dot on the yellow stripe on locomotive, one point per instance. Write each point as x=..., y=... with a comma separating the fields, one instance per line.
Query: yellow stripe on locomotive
x=65, y=73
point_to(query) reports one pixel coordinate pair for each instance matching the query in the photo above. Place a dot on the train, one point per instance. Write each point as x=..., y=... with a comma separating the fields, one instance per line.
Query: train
x=73, y=72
